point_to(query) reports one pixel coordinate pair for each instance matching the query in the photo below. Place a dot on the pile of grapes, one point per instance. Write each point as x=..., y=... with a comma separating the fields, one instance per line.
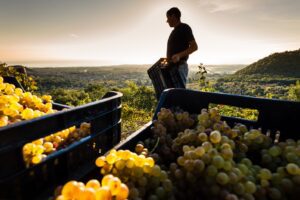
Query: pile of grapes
x=202, y=157
x=16, y=106
x=211, y=160
x=38, y=150
x=110, y=187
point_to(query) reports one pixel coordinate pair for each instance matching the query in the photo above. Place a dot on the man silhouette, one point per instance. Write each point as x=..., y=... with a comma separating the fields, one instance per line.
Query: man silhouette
x=181, y=42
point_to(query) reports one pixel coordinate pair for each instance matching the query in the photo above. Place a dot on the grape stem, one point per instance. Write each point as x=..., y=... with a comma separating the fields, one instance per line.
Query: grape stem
x=155, y=146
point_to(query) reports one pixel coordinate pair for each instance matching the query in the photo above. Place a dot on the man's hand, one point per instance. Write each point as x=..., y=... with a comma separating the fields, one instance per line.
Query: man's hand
x=175, y=58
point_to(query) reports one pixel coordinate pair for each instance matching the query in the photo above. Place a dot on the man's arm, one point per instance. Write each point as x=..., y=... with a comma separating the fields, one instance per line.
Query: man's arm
x=192, y=48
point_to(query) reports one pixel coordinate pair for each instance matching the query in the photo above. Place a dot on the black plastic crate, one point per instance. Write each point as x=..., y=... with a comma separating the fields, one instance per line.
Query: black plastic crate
x=19, y=182
x=273, y=115
x=164, y=75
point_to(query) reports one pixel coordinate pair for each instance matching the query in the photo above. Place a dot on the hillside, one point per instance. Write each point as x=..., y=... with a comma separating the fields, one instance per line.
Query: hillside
x=285, y=63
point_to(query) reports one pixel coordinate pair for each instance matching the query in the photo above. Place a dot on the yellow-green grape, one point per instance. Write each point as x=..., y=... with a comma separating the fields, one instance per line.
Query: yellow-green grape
x=130, y=163
x=3, y=120
x=199, y=151
x=250, y=187
x=106, y=179
x=114, y=184
x=100, y=161
x=292, y=169
x=111, y=158
x=47, y=98
x=27, y=114
x=87, y=194
x=123, y=192
x=215, y=137
x=265, y=174
x=103, y=193
x=93, y=183
x=222, y=178
x=37, y=159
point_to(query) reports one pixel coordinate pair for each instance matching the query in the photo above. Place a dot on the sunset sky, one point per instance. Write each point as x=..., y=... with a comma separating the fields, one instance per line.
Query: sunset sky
x=109, y=32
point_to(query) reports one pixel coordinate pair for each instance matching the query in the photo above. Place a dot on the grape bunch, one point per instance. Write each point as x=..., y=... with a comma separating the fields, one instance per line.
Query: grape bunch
x=110, y=188
x=145, y=179
x=226, y=162
x=37, y=151
x=16, y=105
x=172, y=123
x=167, y=126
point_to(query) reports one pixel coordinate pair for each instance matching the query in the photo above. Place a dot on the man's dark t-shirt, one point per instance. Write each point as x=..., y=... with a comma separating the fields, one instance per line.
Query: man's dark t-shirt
x=179, y=40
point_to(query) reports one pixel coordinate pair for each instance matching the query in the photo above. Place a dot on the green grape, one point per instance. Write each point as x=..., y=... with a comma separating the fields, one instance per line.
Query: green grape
x=142, y=181
x=227, y=166
x=160, y=192
x=202, y=137
x=247, y=162
x=215, y=137
x=275, y=151
x=133, y=193
x=231, y=197
x=163, y=175
x=274, y=193
x=250, y=187
x=233, y=178
x=181, y=160
x=291, y=157
x=155, y=171
x=211, y=170
x=207, y=146
x=206, y=159
x=244, y=169
x=276, y=178
x=265, y=174
x=248, y=196
x=199, y=151
x=167, y=185
x=186, y=148
x=292, y=169
x=222, y=178
x=225, y=146
x=218, y=162
x=238, y=173
x=287, y=185
x=189, y=165
x=239, y=188
x=213, y=152
x=190, y=177
x=264, y=183
x=199, y=165
x=227, y=154
x=266, y=158
x=178, y=174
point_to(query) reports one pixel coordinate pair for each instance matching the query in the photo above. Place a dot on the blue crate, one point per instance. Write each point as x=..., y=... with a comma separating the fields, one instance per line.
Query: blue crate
x=19, y=182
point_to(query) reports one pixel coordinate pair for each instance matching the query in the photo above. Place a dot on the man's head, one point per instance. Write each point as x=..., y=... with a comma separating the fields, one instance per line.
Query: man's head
x=173, y=16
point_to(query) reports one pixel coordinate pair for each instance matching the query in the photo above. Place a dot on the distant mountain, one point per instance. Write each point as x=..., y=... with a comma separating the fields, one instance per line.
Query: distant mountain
x=285, y=63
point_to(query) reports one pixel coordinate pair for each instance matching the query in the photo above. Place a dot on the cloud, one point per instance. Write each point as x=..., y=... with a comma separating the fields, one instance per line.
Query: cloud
x=272, y=8
x=228, y=5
